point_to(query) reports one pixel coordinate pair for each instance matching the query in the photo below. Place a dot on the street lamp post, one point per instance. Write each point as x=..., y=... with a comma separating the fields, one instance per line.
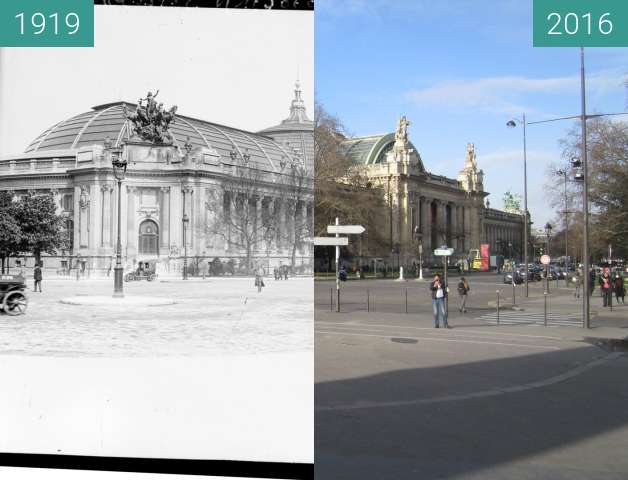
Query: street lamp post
x=513, y=123
x=119, y=165
x=563, y=173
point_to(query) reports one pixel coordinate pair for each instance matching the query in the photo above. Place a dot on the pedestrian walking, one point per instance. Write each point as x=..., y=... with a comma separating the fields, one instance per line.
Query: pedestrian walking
x=620, y=290
x=285, y=272
x=606, y=287
x=439, y=293
x=463, y=292
x=37, y=277
x=591, y=282
x=276, y=273
x=577, y=279
x=259, y=279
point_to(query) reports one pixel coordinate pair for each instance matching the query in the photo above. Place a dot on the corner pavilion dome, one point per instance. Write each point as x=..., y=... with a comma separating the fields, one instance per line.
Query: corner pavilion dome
x=108, y=120
x=296, y=132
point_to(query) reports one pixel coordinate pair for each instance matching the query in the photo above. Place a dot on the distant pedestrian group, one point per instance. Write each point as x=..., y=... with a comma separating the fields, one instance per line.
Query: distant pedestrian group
x=281, y=272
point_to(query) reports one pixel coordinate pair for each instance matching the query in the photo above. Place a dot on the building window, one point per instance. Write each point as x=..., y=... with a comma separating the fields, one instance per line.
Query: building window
x=68, y=202
x=149, y=238
x=69, y=231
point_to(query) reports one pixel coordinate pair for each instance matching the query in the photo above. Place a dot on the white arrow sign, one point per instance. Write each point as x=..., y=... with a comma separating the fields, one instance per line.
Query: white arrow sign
x=443, y=252
x=331, y=241
x=345, y=229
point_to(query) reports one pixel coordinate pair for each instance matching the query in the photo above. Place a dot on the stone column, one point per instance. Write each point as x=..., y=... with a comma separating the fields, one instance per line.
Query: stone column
x=442, y=223
x=174, y=225
x=425, y=224
x=282, y=232
x=188, y=192
x=106, y=190
x=83, y=210
x=131, y=220
x=164, y=217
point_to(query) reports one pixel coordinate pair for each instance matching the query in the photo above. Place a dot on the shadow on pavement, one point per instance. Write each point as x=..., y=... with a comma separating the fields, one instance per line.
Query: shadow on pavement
x=459, y=439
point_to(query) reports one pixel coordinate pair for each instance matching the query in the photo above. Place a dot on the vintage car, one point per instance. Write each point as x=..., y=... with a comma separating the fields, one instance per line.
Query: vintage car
x=145, y=270
x=13, y=301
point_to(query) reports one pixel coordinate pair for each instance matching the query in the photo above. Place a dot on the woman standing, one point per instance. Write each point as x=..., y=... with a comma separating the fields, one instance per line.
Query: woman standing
x=439, y=293
x=463, y=291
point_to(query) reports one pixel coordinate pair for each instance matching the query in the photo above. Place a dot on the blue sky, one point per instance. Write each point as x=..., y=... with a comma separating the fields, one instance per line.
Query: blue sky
x=459, y=70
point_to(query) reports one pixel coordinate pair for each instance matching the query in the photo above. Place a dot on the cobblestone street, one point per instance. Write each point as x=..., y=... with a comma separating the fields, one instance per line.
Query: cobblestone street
x=210, y=317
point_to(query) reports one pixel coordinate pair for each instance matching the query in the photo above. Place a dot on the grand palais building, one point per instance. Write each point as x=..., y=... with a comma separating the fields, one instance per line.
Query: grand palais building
x=165, y=181
x=432, y=210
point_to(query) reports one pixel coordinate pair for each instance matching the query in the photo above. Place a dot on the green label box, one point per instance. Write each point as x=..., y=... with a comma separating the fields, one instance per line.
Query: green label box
x=580, y=23
x=46, y=23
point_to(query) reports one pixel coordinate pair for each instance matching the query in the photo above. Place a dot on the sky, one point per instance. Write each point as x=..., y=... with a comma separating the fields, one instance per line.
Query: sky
x=227, y=66
x=459, y=70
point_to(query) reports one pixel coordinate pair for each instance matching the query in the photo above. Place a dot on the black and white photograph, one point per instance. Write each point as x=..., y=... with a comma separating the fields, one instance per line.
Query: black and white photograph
x=156, y=212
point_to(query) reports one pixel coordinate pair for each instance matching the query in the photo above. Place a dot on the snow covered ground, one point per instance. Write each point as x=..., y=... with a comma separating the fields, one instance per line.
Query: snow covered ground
x=226, y=373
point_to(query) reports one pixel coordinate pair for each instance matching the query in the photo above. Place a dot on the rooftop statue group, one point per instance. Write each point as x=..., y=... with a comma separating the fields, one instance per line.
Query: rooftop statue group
x=151, y=121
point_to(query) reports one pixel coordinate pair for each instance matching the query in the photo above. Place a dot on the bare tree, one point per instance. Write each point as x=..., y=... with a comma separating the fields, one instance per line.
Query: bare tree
x=297, y=193
x=237, y=208
x=608, y=177
x=341, y=188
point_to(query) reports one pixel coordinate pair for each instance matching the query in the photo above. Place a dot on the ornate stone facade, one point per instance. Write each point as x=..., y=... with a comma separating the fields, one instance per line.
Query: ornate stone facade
x=429, y=209
x=172, y=169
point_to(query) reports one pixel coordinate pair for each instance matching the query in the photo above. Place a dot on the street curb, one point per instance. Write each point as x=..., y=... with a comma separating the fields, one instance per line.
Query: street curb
x=609, y=344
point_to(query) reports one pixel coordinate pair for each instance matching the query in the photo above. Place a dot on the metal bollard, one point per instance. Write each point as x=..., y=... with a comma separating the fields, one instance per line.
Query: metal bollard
x=545, y=309
x=368, y=300
x=406, y=300
x=331, y=299
x=497, y=307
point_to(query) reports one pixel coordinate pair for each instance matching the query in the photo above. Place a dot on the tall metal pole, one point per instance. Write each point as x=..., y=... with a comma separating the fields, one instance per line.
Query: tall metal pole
x=338, y=270
x=585, y=195
x=525, y=203
x=566, y=226
x=117, y=280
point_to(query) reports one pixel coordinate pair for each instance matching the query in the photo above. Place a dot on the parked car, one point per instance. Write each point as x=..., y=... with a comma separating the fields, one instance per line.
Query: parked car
x=518, y=277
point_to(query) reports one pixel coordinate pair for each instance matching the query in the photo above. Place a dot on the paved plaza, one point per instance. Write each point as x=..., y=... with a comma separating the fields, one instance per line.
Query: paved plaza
x=223, y=373
x=209, y=317
x=396, y=398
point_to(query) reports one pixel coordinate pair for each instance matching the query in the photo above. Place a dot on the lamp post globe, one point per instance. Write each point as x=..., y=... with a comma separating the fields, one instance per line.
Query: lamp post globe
x=119, y=165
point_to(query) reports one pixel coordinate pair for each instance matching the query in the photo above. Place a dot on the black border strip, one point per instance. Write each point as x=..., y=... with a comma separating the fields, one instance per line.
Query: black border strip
x=249, y=4
x=224, y=468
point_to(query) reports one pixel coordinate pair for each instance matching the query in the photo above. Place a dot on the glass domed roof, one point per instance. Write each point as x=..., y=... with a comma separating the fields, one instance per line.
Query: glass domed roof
x=93, y=127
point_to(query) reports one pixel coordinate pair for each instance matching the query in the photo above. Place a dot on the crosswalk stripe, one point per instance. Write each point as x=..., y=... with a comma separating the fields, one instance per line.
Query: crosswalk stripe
x=533, y=318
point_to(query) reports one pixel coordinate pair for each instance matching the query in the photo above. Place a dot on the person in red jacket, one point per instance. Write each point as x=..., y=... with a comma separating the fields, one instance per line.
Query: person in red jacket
x=606, y=285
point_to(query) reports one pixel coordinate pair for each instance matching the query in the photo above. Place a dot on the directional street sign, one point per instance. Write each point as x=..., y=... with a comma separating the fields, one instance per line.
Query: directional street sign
x=345, y=229
x=331, y=241
x=443, y=252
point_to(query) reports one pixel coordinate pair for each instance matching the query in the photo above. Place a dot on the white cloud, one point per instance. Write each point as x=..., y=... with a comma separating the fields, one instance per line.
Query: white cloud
x=506, y=94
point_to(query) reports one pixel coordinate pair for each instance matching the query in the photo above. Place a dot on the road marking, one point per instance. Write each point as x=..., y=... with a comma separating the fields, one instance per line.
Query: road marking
x=434, y=339
x=454, y=331
x=432, y=331
x=359, y=405
x=534, y=318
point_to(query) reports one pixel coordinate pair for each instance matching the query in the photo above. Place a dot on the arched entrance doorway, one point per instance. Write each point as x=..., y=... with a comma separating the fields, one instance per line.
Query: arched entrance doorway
x=149, y=238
